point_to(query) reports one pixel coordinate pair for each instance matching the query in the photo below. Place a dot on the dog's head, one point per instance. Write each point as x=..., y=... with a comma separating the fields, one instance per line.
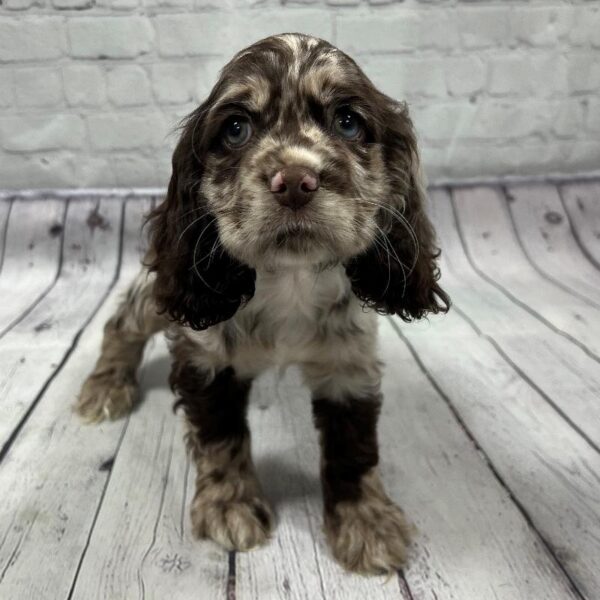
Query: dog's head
x=295, y=157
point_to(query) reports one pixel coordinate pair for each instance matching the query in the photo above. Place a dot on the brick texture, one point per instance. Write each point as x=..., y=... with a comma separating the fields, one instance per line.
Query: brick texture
x=91, y=90
x=84, y=85
x=129, y=86
x=109, y=37
x=39, y=133
x=30, y=80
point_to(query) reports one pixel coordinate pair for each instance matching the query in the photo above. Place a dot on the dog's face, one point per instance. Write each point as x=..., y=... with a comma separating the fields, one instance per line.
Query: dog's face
x=294, y=165
x=295, y=157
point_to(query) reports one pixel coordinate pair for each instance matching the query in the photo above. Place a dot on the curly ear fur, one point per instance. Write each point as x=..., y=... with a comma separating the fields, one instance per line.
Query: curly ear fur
x=197, y=282
x=398, y=274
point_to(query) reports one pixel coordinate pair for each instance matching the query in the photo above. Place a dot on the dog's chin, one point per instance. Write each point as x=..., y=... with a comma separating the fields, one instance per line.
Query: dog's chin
x=294, y=240
x=296, y=246
x=296, y=237
x=289, y=245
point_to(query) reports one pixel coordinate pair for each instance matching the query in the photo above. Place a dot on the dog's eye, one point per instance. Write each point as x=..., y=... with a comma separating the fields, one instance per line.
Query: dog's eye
x=347, y=124
x=237, y=131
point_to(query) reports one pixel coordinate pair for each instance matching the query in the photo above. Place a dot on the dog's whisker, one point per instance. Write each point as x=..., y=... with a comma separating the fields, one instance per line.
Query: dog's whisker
x=187, y=228
x=389, y=266
x=410, y=230
x=192, y=224
x=400, y=263
x=195, y=267
x=217, y=244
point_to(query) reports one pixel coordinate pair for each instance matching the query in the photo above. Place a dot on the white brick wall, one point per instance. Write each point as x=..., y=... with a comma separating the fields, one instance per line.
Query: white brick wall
x=91, y=90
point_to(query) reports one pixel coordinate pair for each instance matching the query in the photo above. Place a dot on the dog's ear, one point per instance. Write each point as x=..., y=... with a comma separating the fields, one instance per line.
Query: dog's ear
x=398, y=274
x=197, y=282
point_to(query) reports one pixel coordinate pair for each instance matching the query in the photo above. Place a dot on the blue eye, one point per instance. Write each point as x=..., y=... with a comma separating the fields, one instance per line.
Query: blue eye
x=237, y=131
x=347, y=124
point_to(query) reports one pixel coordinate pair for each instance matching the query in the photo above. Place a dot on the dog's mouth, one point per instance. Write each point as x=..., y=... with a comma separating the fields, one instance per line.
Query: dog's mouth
x=295, y=236
x=300, y=235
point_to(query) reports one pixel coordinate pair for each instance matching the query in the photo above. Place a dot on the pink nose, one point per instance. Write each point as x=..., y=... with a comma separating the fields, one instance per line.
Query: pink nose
x=294, y=186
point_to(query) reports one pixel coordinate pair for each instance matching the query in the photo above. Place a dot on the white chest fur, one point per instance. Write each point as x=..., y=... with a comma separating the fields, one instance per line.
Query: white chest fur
x=288, y=313
x=297, y=315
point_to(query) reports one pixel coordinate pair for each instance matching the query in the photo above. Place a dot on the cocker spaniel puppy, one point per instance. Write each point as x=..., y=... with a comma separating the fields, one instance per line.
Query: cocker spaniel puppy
x=294, y=214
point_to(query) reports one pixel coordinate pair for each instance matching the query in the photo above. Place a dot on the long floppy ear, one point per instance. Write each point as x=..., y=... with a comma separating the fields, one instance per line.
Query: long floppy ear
x=398, y=274
x=197, y=282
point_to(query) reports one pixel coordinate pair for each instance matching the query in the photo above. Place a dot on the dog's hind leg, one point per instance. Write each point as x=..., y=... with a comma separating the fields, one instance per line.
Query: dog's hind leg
x=111, y=390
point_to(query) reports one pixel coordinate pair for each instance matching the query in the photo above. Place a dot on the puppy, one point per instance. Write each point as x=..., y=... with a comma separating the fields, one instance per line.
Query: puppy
x=294, y=213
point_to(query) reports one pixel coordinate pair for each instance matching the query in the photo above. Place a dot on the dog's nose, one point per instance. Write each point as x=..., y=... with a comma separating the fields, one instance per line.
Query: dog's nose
x=294, y=186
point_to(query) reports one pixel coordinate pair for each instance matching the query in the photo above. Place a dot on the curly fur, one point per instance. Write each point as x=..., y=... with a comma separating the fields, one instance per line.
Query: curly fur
x=407, y=283
x=241, y=282
x=193, y=287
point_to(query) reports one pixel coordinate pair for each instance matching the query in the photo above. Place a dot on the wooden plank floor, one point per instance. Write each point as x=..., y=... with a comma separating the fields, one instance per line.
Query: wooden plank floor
x=490, y=433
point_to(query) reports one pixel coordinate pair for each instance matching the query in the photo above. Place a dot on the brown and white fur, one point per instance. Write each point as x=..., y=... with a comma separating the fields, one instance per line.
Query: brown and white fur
x=274, y=250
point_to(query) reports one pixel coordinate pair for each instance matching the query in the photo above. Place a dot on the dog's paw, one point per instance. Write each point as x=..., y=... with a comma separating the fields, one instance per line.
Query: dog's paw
x=370, y=536
x=236, y=524
x=106, y=396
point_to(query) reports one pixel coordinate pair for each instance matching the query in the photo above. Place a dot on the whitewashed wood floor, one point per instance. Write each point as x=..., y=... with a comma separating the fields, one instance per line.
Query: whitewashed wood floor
x=490, y=433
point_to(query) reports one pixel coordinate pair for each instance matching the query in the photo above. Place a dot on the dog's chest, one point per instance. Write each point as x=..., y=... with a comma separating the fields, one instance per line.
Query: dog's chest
x=290, y=315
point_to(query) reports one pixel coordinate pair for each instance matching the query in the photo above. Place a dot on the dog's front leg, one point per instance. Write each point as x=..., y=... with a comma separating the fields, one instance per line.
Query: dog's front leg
x=229, y=506
x=111, y=390
x=366, y=531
